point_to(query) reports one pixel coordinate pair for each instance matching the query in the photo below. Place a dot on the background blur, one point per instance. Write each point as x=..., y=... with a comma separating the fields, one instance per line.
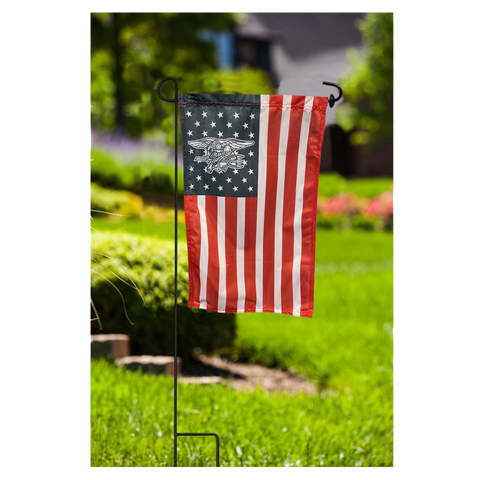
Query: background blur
x=343, y=355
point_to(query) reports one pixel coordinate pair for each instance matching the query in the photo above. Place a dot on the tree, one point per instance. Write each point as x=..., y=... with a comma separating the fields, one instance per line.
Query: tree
x=130, y=52
x=368, y=111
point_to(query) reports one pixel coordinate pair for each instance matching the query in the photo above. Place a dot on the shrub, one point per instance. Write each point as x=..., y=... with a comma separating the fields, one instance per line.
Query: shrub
x=148, y=264
x=115, y=201
x=139, y=175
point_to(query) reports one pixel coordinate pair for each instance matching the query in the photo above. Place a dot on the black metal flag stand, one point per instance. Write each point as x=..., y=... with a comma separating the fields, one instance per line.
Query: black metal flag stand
x=176, y=434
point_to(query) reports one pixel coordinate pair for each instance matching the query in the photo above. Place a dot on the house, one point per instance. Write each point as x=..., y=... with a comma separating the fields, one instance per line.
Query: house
x=299, y=51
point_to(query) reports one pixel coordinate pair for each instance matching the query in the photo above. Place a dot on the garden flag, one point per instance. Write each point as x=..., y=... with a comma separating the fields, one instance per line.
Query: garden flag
x=251, y=166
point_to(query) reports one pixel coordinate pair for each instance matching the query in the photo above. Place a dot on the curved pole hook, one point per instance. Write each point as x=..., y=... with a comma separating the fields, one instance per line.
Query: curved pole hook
x=159, y=86
x=332, y=99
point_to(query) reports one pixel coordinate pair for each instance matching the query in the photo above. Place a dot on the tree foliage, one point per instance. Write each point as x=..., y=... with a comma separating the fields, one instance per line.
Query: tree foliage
x=129, y=51
x=368, y=110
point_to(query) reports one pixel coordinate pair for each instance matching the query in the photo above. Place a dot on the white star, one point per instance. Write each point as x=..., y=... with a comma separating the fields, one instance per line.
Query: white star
x=244, y=162
x=189, y=133
x=251, y=135
x=214, y=179
x=220, y=114
x=250, y=154
x=250, y=171
x=235, y=171
x=204, y=114
x=205, y=169
x=235, y=135
x=252, y=116
x=206, y=187
x=220, y=187
x=245, y=125
x=189, y=114
x=190, y=168
x=204, y=133
x=197, y=123
x=229, y=180
x=191, y=150
x=236, y=115
x=229, y=125
x=244, y=180
x=213, y=124
x=250, y=189
x=199, y=177
x=220, y=134
x=191, y=186
x=235, y=189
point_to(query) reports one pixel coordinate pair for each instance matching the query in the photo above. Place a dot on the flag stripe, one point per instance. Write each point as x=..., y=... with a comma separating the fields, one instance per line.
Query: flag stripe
x=241, y=253
x=251, y=265
x=222, y=274
x=213, y=267
x=262, y=179
x=280, y=187
x=192, y=222
x=231, y=253
x=203, y=251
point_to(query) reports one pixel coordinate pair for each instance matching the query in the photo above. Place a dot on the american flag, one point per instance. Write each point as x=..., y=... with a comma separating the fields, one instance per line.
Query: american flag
x=251, y=167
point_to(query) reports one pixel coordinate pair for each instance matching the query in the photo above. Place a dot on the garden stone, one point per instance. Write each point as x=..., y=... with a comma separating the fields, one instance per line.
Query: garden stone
x=150, y=364
x=110, y=346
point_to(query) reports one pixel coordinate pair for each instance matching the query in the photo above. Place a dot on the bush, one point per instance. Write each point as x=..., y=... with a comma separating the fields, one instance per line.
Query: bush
x=115, y=201
x=148, y=264
x=141, y=175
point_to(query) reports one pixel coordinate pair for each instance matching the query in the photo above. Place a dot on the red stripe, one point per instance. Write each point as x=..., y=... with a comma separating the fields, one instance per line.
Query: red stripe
x=289, y=202
x=309, y=215
x=274, y=121
x=192, y=223
x=249, y=256
x=231, y=253
x=213, y=269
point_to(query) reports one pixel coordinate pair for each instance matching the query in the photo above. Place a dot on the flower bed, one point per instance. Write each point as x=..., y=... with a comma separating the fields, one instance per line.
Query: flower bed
x=347, y=210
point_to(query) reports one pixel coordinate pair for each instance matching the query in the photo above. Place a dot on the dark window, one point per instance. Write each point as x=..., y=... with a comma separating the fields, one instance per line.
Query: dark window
x=252, y=52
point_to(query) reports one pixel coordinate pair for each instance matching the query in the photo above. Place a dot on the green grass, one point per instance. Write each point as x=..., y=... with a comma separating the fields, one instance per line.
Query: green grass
x=346, y=349
x=132, y=425
x=331, y=184
x=351, y=331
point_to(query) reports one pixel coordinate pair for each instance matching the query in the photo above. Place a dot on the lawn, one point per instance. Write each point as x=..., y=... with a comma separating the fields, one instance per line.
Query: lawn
x=346, y=349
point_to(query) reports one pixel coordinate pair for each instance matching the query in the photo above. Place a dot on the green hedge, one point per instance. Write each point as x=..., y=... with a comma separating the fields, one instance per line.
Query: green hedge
x=122, y=202
x=141, y=175
x=149, y=263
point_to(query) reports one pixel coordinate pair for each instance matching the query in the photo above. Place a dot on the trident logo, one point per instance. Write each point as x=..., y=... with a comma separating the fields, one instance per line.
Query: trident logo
x=221, y=154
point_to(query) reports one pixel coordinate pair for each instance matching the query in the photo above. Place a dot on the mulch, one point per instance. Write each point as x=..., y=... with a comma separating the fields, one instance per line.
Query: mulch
x=245, y=376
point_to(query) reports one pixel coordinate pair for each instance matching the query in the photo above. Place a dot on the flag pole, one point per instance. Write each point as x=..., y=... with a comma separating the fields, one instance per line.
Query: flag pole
x=176, y=434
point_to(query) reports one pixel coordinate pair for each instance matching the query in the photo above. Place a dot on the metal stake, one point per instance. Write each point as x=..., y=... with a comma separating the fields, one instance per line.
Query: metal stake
x=176, y=434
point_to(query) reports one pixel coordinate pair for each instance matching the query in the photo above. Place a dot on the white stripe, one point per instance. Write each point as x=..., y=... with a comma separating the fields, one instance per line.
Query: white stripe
x=282, y=154
x=241, y=254
x=203, y=251
x=261, y=189
x=222, y=263
x=297, y=221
